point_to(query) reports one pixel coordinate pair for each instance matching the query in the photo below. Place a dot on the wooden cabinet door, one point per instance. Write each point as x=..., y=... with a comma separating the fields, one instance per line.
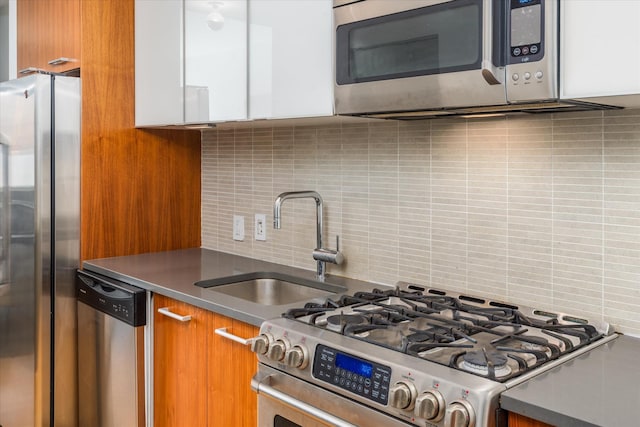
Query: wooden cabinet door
x=516, y=420
x=231, y=366
x=200, y=378
x=181, y=365
x=47, y=30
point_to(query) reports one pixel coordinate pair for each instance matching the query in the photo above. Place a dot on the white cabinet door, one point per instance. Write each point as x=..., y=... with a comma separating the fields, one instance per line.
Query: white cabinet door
x=191, y=61
x=158, y=63
x=290, y=58
x=215, y=60
x=600, y=48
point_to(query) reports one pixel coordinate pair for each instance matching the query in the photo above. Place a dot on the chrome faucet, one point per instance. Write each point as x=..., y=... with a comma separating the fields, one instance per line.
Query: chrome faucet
x=320, y=254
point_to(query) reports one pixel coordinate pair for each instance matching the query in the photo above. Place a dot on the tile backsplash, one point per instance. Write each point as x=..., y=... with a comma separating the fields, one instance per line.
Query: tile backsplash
x=542, y=210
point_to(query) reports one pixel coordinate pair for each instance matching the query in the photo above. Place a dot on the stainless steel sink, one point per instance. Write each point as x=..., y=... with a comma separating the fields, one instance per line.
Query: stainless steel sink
x=271, y=288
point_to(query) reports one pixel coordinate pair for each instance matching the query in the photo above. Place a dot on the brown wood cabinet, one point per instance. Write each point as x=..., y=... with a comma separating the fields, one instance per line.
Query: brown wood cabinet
x=516, y=420
x=231, y=367
x=180, y=365
x=140, y=188
x=48, y=30
x=201, y=379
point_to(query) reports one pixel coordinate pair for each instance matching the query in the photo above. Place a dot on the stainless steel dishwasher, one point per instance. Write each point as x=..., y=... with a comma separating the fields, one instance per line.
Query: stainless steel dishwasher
x=111, y=374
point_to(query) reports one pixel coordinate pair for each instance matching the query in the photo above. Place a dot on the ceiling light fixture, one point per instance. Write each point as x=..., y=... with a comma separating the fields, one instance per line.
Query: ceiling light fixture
x=215, y=20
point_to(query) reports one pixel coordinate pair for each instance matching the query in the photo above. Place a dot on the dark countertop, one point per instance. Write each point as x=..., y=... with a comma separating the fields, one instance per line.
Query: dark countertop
x=599, y=388
x=174, y=273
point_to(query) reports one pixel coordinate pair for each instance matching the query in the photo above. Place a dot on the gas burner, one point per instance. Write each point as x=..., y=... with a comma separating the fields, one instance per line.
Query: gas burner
x=337, y=322
x=378, y=334
x=419, y=337
x=433, y=334
x=489, y=364
x=537, y=346
x=531, y=345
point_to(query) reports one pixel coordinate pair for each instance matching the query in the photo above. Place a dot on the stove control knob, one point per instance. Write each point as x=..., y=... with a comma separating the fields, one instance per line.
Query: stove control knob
x=277, y=350
x=430, y=406
x=402, y=395
x=460, y=414
x=296, y=357
x=260, y=344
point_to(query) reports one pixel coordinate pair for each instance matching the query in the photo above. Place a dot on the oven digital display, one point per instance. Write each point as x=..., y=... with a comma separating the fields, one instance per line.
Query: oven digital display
x=365, y=378
x=353, y=365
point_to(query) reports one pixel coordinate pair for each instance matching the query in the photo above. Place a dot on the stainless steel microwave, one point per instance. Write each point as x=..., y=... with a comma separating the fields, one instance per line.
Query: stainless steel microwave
x=421, y=58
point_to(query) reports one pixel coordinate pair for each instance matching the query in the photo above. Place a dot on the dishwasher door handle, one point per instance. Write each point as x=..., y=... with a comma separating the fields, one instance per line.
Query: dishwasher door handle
x=167, y=312
x=268, y=390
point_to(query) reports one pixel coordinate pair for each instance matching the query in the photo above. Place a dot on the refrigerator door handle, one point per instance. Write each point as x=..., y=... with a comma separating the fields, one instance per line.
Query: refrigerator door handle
x=5, y=217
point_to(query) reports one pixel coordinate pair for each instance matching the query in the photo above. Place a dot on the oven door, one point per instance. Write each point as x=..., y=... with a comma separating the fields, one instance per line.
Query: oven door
x=411, y=55
x=285, y=401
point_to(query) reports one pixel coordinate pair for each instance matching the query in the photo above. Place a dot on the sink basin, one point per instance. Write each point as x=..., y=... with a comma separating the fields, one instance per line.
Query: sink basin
x=271, y=288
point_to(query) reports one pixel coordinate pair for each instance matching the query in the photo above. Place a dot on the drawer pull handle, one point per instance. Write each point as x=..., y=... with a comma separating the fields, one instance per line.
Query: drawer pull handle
x=167, y=312
x=223, y=333
x=60, y=61
x=29, y=70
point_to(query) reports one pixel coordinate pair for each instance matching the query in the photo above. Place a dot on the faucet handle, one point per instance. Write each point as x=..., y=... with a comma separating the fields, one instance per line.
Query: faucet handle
x=329, y=255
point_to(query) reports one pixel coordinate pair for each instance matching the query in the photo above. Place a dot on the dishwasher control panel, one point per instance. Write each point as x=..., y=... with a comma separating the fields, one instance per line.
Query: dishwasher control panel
x=117, y=299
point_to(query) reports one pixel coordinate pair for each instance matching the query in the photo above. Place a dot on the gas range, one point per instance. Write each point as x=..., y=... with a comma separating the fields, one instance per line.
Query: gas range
x=423, y=356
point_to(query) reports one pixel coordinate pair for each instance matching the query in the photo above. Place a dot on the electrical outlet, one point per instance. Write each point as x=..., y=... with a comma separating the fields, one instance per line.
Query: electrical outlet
x=260, y=230
x=238, y=227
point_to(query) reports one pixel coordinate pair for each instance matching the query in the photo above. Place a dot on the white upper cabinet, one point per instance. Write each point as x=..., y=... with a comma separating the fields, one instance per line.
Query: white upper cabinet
x=215, y=64
x=290, y=58
x=215, y=61
x=191, y=61
x=158, y=63
x=600, y=49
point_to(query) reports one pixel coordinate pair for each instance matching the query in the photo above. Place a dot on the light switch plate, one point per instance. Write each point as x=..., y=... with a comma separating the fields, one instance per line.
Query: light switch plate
x=238, y=227
x=260, y=229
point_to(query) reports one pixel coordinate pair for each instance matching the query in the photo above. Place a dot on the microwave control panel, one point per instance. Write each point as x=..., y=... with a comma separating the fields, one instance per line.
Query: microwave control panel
x=526, y=31
x=532, y=66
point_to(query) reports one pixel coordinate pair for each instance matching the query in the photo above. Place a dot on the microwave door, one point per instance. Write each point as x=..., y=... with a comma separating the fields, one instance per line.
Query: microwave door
x=419, y=55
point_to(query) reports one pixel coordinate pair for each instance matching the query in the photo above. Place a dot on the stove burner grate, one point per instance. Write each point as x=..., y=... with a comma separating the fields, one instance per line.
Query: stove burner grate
x=346, y=319
x=490, y=364
x=451, y=330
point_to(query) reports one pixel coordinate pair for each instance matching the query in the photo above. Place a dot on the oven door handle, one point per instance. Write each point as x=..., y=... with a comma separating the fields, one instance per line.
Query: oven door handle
x=261, y=386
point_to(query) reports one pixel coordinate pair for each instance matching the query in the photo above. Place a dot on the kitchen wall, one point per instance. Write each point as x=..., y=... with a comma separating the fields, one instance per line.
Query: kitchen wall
x=538, y=209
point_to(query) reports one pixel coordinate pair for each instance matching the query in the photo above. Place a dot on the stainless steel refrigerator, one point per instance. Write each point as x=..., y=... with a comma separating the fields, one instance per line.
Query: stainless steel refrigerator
x=39, y=250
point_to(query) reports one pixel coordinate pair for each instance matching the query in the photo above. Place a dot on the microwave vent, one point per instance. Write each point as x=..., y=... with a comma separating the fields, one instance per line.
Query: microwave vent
x=492, y=110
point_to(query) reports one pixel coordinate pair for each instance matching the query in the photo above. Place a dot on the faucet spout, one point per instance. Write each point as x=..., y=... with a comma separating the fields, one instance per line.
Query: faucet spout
x=320, y=254
x=277, y=223
x=277, y=208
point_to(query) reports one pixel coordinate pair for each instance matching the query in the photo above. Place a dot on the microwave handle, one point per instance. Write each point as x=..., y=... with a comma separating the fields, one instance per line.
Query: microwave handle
x=494, y=42
x=491, y=73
